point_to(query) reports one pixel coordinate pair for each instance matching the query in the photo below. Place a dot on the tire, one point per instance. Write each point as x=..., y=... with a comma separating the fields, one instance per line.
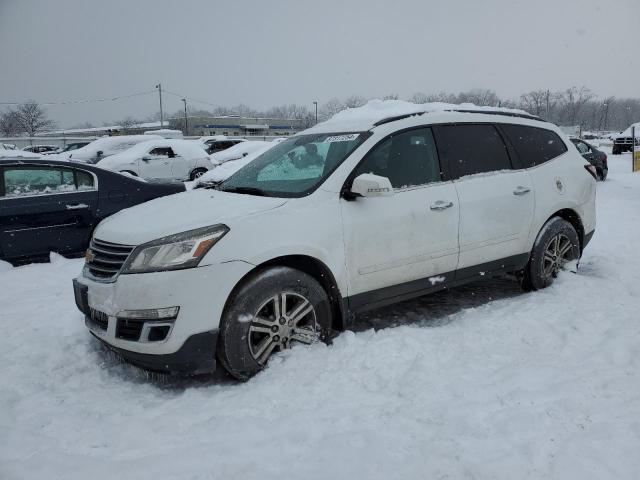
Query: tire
x=250, y=331
x=196, y=173
x=615, y=150
x=546, y=261
x=129, y=172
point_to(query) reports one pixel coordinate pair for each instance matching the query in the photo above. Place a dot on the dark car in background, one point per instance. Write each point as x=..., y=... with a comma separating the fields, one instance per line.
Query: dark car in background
x=52, y=205
x=215, y=146
x=623, y=142
x=69, y=147
x=595, y=157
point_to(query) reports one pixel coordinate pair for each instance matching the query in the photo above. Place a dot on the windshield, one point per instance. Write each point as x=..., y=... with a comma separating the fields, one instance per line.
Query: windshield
x=295, y=167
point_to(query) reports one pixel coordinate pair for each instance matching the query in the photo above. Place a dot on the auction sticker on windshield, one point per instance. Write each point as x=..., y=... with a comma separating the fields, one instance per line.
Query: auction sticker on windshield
x=342, y=138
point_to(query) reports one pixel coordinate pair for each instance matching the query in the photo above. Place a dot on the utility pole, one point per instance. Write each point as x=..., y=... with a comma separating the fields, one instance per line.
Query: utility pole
x=186, y=126
x=316, y=104
x=159, y=87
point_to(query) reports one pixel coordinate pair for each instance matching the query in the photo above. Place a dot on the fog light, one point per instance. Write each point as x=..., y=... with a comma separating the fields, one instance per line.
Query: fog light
x=167, y=313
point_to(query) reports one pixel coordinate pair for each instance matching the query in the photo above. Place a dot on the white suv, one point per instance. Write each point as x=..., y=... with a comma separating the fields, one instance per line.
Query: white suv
x=352, y=214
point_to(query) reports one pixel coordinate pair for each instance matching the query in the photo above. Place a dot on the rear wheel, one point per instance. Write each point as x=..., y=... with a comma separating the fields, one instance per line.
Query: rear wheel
x=272, y=311
x=557, y=245
x=197, y=173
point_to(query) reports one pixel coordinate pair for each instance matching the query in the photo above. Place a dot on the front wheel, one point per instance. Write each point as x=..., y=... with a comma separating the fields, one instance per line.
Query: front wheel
x=557, y=244
x=271, y=311
x=197, y=173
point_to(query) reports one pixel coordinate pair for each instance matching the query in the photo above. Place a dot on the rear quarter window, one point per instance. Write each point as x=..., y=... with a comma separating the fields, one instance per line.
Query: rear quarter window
x=533, y=145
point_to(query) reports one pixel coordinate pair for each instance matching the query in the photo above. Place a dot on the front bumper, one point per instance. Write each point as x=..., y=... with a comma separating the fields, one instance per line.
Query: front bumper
x=201, y=294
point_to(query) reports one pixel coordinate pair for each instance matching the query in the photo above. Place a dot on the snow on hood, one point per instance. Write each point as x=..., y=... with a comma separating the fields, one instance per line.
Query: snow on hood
x=178, y=213
x=362, y=118
x=627, y=132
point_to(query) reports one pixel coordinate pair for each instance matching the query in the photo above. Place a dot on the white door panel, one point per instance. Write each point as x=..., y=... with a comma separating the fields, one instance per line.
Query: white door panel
x=397, y=239
x=156, y=166
x=180, y=168
x=496, y=212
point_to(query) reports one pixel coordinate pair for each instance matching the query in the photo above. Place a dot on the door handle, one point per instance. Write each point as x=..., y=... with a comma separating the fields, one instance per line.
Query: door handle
x=521, y=190
x=77, y=206
x=441, y=205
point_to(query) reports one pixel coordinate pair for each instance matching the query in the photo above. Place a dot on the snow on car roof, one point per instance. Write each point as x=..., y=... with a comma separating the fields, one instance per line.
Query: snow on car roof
x=110, y=145
x=627, y=132
x=364, y=118
x=189, y=149
x=224, y=171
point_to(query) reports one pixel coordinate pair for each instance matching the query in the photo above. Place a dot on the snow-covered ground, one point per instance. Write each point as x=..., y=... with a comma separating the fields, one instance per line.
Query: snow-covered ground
x=478, y=382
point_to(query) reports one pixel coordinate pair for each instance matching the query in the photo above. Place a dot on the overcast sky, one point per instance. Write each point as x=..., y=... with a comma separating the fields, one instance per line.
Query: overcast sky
x=297, y=51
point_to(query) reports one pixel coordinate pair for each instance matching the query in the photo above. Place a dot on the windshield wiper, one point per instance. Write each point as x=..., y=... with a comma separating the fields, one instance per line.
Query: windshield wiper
x=248, y=190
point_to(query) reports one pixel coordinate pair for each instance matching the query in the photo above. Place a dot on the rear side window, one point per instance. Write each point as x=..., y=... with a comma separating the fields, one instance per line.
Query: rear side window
x=533, y=145
x=471, y=149
x=21, y=181
x=407, y=159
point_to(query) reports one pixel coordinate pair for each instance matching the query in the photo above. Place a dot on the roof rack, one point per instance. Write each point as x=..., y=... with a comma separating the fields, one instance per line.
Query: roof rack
x=488, y=112
x=397, y=117
x=498, y=112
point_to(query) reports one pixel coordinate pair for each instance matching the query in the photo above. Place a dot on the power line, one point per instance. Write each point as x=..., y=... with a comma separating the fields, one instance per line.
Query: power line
x=92, y=100
x=195, y=100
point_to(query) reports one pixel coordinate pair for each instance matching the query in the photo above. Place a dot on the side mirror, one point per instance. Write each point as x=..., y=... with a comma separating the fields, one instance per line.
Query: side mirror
x=146, y=158
x=99, y=153
x=370, y=185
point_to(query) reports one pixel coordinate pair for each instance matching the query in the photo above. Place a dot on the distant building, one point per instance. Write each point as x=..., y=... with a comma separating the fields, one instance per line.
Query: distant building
x=240, y=126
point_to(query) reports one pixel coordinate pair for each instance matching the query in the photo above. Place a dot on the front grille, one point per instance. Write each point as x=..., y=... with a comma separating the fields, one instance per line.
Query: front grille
x=105, y=259
x=99, y=319
x=128, y=329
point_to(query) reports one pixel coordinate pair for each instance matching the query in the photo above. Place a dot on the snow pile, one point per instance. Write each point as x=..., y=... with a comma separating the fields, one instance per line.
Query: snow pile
x=356, y=118
x=18, y=154
x=482, y=381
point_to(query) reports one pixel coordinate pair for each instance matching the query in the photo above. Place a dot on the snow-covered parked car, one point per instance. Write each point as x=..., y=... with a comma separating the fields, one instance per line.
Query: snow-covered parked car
x=41, y=148
x=379, y=204
x=237, y=151
x=224, y=171
x=104, y=147
x=623, y=142
x=163, y=158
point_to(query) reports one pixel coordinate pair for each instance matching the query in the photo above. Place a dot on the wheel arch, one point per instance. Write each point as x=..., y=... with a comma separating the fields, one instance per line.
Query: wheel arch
x=574, y=219
x=312, y=267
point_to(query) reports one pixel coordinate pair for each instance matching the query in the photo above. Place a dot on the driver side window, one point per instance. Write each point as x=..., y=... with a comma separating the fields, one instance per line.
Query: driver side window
x=162, y=152
x=407, y=159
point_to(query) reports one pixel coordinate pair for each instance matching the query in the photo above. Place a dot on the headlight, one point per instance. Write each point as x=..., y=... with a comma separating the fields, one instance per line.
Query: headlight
x=183, y=250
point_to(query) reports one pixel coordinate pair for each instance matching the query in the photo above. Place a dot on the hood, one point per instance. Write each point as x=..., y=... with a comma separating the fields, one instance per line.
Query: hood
x=179, y=213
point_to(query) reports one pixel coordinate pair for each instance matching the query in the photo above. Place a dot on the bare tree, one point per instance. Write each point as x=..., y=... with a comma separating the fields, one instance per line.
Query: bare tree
x=32, y=118
x=441, y=97
x=574, y=100
x=10, y=124
x=418, y=97
x=391, y=96
x=480, y=97
x=330, y=108
x=355, y=101
x=534, y=102
x=127, y=123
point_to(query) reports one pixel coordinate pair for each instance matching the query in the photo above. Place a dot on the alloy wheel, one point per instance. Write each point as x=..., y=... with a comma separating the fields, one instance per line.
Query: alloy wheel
x=279, y=322
x=558, y=253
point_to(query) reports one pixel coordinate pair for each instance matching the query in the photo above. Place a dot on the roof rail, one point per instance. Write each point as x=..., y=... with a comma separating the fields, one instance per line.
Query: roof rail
x=488, y=112
x=397, y=117
x=498, y=112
